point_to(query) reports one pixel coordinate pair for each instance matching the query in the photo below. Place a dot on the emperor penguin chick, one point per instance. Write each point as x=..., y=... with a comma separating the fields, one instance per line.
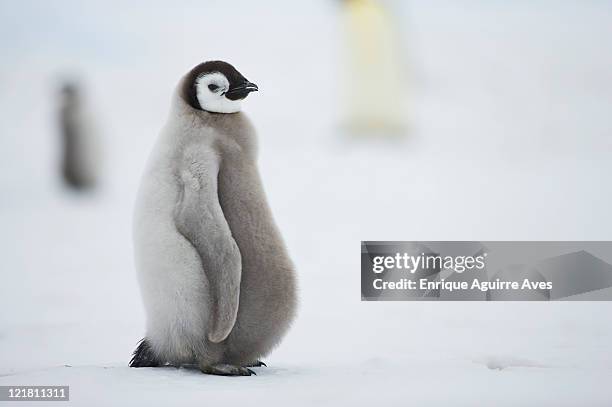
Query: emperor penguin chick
x=81, y=155
x=218, y=286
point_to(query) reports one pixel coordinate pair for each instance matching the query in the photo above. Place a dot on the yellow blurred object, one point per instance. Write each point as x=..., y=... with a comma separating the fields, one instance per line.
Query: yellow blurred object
x=375, y=88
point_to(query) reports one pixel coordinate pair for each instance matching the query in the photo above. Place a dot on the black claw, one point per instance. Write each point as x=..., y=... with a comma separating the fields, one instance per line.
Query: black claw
x=258, y=363
x=251, y=372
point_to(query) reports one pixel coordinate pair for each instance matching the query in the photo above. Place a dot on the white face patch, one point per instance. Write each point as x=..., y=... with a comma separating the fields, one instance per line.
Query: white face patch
x=210, y=91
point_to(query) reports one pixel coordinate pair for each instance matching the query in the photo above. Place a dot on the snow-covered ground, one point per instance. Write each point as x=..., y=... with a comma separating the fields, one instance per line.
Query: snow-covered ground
x=511, y=140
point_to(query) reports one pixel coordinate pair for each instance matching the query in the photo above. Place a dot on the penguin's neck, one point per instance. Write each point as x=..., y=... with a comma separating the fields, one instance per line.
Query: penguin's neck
x=231, y=127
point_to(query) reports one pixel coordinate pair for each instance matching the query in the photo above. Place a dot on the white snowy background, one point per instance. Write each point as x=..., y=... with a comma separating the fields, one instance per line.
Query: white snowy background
x=511, y=139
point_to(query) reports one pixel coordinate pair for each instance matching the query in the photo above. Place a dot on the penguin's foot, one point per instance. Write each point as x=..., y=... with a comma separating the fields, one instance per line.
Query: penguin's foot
x=222, y=369
x=143, y=356
x=257, y=363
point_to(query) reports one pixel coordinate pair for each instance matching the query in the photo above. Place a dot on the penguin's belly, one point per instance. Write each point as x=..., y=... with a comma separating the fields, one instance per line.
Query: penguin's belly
x=264, y=315
x=267, y=289
x=173, y=285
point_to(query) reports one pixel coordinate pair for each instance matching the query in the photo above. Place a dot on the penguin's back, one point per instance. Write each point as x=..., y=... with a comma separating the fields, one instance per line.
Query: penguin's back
x=173, y=284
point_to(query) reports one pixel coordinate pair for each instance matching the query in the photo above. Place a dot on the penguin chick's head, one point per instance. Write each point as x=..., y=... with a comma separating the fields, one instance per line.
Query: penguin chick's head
x=217, y=87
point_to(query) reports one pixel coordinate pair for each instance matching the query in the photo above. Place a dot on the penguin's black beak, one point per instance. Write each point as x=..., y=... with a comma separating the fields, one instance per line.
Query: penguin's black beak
x=241, y=90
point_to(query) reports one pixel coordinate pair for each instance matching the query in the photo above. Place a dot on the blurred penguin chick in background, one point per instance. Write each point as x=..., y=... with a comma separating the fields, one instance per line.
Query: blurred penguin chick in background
x=80, y=144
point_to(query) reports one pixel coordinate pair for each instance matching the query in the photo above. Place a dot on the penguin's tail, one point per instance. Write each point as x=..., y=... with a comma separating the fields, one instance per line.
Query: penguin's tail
x=143, y=356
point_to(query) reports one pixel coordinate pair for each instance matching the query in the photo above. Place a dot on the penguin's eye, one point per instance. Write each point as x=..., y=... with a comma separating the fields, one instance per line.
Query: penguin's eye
x=213, y=87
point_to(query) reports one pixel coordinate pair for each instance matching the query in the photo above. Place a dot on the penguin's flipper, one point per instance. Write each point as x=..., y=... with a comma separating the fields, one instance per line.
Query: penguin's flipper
x=143, y=356
x=200, y=219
